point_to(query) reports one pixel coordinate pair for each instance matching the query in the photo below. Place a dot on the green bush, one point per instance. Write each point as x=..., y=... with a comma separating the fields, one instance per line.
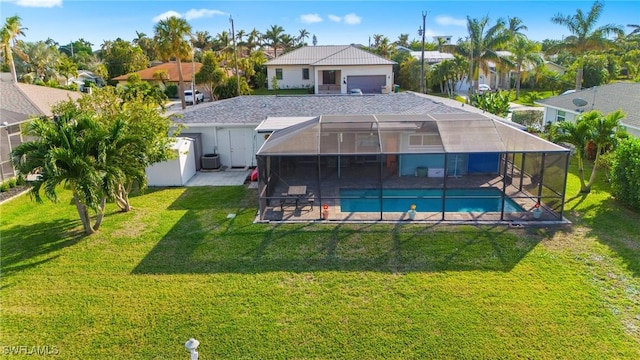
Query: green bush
x=20, y=180
x=171, y=91
x=4, y=187
x=12, y=182
x=528, y=118
x=625, y=173
x=496, y=103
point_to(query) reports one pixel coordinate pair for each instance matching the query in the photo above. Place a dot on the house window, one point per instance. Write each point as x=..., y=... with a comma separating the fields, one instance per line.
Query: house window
x=305, y=74
x=278, y=74
x=561, y=116
x=329, y=77
x=424, y=140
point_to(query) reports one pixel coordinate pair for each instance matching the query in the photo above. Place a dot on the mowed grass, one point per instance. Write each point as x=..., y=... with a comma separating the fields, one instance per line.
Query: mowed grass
x=176, y=267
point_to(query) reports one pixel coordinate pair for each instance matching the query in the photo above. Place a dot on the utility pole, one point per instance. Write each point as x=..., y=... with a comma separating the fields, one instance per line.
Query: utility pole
x=235, y=54
x=421, y=32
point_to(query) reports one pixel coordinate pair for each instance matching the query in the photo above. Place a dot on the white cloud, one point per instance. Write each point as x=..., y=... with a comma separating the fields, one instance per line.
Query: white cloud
x=352, y=19
x=189, y=15
x=37, y=3
x=310, y=18
x=335, y=18
x=201, y=13
x=448, y=20
x=166, y=15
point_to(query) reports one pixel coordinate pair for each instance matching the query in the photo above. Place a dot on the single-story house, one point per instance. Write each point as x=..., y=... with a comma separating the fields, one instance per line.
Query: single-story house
x=171, y=68
x=19, y=104
x=606, y=99
x=83, y=77
x=331, y=70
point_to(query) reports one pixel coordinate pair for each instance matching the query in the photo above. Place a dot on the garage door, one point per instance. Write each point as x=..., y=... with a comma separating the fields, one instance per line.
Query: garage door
x=370, y=84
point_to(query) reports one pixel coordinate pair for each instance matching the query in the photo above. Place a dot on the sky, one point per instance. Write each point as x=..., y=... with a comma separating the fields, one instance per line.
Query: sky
x=333, y=22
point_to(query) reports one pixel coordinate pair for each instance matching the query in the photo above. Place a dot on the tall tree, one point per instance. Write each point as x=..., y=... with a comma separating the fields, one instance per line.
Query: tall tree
x=39, y=61
x=121, y=57
x=524, y=52
x=170, y=37
x=210, y=75
x=146, y=44
x=403, y=40
x=303, y=34
x=482, y=46
x=314, y=40
x=9, y=33
x=273, y=38
x=584, y=34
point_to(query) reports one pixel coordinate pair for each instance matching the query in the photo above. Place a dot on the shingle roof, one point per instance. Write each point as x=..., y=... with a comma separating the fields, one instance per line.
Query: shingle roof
x=170, y=67
x=32, y=100
x=333, y=55
x=251, y=110
x=606, y=99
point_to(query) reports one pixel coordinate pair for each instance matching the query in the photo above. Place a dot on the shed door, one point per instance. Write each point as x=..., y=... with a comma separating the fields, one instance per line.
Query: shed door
x=238, y=142
x=370, y=84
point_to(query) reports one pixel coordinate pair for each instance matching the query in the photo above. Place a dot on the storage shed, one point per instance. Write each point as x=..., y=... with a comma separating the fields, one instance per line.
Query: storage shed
x=177, y=171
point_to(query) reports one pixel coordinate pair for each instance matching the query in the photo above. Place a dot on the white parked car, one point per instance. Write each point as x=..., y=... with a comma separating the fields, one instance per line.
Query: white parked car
x=188, y=97
x=483, y=88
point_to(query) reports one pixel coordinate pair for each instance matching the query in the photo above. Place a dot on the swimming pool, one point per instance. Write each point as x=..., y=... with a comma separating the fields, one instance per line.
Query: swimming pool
x=426, y=200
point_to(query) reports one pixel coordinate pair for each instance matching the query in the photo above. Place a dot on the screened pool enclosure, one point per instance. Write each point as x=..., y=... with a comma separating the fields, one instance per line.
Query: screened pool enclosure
x=438, y=167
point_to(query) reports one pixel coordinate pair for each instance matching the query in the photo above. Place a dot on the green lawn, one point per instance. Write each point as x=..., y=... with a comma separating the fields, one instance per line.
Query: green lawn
x=176, y=268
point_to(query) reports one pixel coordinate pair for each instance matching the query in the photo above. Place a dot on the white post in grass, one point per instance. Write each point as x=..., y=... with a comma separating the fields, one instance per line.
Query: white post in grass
x=192, y=346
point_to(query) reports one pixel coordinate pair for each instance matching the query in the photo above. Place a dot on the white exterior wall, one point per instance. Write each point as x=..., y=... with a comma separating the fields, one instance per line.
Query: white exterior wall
x=218, y=139
x=551, y=114
x=346, y=71
x=291, y=76
x=177, y=171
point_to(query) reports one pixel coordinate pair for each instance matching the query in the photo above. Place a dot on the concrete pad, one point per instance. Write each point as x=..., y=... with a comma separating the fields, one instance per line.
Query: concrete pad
x=219, y=178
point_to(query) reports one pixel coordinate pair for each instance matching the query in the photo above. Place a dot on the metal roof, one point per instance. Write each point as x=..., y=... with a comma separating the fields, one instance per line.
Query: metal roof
x=331, y=55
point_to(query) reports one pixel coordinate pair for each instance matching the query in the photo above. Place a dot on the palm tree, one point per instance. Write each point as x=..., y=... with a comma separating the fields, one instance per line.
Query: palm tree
x=584, y=34
x=482, y=46
x=65, y=151
x=635, y=31
x=524, y=52
x=11, y=29
x=606, y=130
x=576, y=134
x=170, y=37
x=302, y=35
x=253, y=40
x=202, y=41
x=403, y=40
x=273, y=38
x=40, y=60
x=515, y=27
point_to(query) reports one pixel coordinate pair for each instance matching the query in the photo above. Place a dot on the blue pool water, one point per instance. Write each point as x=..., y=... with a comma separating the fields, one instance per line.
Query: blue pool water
x=426, y=200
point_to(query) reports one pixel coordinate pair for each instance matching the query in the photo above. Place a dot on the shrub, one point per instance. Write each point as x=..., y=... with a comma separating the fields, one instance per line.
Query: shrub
x=171, y=91
x=625, y=173
x=12, y=182
x=4, y=187
x=528, y=118
x=496, y=103
x=20, y=180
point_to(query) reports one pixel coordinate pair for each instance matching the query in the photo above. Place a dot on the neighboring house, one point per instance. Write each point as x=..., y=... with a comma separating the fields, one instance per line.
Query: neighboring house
x=83, y=77
x=331, y=70
x=606, y=99
x=234, y=129
x=19, y=104
x=188, y=70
